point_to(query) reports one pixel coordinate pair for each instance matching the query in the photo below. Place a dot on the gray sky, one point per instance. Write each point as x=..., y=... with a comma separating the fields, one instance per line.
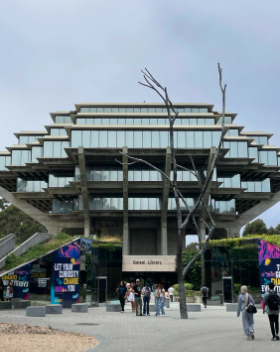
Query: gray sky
x=58, y=53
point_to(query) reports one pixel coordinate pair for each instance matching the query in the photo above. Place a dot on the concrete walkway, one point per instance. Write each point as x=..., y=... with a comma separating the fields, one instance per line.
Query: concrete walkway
x=213, y=329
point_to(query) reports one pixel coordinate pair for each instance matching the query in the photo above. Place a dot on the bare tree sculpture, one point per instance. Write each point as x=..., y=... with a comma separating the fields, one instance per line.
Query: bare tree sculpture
x=182, y=223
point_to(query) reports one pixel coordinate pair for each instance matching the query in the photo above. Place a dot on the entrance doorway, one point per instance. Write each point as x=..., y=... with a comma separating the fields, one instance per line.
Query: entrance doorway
x=100, y=293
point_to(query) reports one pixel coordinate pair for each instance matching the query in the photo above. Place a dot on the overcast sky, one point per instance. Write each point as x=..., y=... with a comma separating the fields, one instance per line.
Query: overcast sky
x=55, y=53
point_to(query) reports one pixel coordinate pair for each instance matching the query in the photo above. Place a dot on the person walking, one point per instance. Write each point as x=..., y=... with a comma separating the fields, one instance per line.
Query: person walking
x=171, y=293
x=271, y=301
x=131, y=297
x=157, y=299
x=1, y=289
x=138, y=299
x=162, y=300
x=122, y=294
x=9, y=291
x=204, y=290
x=247, y=318
x=146, y=299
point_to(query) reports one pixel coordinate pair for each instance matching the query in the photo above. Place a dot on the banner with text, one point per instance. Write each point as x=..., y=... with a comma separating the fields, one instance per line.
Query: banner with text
x=269, y=266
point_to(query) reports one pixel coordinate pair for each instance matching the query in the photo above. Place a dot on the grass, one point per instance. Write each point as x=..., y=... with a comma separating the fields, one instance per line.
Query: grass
x=37, y=251
x=242, y=241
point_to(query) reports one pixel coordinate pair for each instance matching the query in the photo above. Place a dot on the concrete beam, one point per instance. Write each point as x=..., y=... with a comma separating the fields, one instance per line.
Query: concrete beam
x=165, y=197
x=125, y=204
x=84, y=190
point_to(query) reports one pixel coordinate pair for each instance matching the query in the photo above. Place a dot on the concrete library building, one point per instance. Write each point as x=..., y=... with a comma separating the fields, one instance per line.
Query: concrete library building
x=67, y=178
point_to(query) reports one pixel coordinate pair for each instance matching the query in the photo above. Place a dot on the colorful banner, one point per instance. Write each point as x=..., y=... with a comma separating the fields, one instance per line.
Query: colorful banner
x=20, y=279
x=269, y=266
x=65, y=274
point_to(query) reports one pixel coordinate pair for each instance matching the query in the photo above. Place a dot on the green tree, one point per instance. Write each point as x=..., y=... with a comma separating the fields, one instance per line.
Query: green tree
x=255, y=227
x=271, y=231
x=277, y=229
x=13, y=220
x=194, y=275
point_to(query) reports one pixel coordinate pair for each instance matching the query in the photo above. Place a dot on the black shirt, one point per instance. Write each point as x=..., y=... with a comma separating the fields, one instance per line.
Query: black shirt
x=122, y=291
x=137, y=290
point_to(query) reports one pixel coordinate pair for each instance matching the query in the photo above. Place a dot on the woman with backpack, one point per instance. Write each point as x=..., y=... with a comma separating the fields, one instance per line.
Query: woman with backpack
x=244, y=300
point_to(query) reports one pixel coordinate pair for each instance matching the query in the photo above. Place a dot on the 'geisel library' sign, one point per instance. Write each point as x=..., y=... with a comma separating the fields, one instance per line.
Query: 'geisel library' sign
x=149, y=263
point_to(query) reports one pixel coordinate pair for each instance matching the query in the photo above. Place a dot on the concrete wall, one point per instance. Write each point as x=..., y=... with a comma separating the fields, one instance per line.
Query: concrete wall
x=7, y=244
x=25, y=246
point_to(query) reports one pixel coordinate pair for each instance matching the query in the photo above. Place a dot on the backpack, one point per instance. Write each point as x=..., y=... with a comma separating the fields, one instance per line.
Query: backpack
x=204, y=291
x=273, y=301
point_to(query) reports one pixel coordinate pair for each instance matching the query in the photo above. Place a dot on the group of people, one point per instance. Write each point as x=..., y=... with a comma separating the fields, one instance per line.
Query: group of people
x=139, y=297
x=271, y=303
x=9, y=290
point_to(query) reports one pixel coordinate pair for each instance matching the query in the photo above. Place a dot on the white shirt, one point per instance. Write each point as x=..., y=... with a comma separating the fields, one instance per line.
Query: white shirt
x=171, y=291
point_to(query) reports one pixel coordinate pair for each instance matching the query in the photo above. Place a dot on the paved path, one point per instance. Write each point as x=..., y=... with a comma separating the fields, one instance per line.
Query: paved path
x=213, y=329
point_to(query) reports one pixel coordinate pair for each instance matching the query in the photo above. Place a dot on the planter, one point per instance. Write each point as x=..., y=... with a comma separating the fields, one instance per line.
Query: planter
x=190, y=299
x=197, y=299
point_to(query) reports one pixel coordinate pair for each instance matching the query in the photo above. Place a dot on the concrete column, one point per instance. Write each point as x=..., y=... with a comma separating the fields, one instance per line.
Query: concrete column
x=125, y=204
x=84, y=190
x=165, y=197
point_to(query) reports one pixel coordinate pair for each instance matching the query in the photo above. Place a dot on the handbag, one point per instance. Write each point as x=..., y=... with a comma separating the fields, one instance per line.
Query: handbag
x=251, y=308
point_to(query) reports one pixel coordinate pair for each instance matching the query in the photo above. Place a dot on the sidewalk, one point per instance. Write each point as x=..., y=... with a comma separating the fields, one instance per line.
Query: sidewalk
x=212, y=329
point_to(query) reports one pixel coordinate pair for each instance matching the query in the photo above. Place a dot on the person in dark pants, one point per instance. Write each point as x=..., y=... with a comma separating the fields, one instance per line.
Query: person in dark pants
x=122, y=294
x=271, y=300
x=138, y=299
x=1, y=289
x=146, y=299
x=204, y=290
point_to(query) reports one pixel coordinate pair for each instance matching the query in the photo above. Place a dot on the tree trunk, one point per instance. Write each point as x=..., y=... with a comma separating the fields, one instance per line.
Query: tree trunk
x=182, y=290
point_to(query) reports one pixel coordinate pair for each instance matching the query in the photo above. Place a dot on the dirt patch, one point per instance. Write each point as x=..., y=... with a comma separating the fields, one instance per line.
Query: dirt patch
x=36, y=338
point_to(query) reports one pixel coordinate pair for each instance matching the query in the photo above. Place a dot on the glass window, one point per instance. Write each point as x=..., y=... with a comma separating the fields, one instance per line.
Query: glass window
x=99, y=109
x=242, y=149
x=193, y=121
x=153, y=121
x=36, y=153
x=216, y=136
x=203, y=110
x=105, y=121
x=121, y=109
x=272, y=157
x=76, y=139
x=136, y=203
x=113, y=121
x=137, y=121
x=129, y=139
x=253, y=153
x=23, y=140
x=232, y=132
x=190, y=139
x=121, y=121
x=147, y=139
x=115, y=110
x=128, y=109
x=263, y=140
x=145, y=175
x=195, y=109
x=59, y=119
x=121, y=139
x=144, y=203
x=181, y=139
x=144, y=110
x=107, y=109
x=137, y=110
x=86, y=139
x=84, y=109
x=198, y=139
x=164, y=139
x=266, y=185
x=152, y=110
x=103, y=143
x=137, y=136
x=188, y=110
x=80, y=121
x=98, y=121
x=185, y=121
x=263, y=156
x=207, y=139
x=161, y=121
x=94, y=138
x=112, y=139
x=159, y=110
x=145, y=121
x=137, y=175
x=48, y=149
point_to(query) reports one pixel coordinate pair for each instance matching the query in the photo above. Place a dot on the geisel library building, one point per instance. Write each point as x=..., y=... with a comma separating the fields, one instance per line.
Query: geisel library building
x=66, y=177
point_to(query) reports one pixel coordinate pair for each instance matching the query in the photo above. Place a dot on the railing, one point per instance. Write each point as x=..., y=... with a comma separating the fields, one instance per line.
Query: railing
x=25, y=246
x=7, y=244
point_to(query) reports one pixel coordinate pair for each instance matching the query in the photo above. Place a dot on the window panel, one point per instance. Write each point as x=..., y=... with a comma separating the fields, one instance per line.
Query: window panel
x=76, y=139
x=94, y=138
x=98, y=121
x=107, y=109
x=136, y=204
x=144, y=110
x=112, y=139
x=242, y=149
x=103, y=143
x=113, y=121
x=121, y=139
x=36, y=153
x=207, y=139
x=145, y=121
x=48, y=149
x=253, y=153
x=181, y=139
x=266, y=185
x=263, y=156
x=59, y=119
x=121, y=121
x=137, y=110
x=86, y=139
x=164, y=139
x=272, y=157
x=92, y=109
x=137, y=139
x=190, y=139
x=105, y=121
x=145, y=175
x=115, y=110
x=63, y=146
x=147, y=139
x=144, y=203
x=263, y=140
x=233, y=149
x=129, y=121
x=23, y=140
x=84, y=109
x=153, y=121
x=152, y=110
x=99, y=109
x=129, y=139
x=155, y=139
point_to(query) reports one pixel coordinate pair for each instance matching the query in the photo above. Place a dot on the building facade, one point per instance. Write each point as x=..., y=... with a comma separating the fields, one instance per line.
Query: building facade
x=67, y=177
